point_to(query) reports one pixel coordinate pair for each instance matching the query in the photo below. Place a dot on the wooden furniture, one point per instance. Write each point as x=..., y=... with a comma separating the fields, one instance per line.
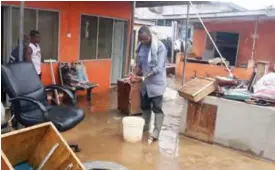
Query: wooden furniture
x=179, y=64
x=70, y=71
x=32, y=144
x=198, y=88
x=170, y=69
x=262, y=69
x=201, y=121
x=128, y=97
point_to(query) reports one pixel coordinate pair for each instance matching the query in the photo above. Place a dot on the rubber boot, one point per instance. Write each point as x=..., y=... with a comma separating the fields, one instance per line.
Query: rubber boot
x=146, y=114
x=159, y=117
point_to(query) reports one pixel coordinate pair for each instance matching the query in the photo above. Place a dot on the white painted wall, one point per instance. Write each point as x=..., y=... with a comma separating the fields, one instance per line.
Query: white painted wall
x=244, y=127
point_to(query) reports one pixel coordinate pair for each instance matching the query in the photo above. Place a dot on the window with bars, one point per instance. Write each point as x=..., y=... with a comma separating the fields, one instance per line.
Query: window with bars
x=46, y=22
x=99, y=35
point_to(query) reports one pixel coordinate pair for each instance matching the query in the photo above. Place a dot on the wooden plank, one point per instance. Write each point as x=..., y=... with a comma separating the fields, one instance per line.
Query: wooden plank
x=61, y=155
x=134, y=99
x=198, y=88
x=25, y=142
x=5, y=164
x=201, y=121
x=262, y=69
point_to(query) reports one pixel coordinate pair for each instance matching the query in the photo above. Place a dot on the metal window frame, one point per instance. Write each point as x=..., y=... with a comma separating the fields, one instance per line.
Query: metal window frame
x=98, y=17
x=124, y=40
x=58, y=39
x=37, y=23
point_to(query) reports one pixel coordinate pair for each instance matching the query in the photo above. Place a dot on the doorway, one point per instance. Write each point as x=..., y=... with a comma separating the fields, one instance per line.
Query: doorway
x=119, y=50
x=227, y=43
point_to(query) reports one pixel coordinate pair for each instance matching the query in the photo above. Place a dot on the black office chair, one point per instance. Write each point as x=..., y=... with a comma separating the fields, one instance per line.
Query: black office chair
x=29, y=100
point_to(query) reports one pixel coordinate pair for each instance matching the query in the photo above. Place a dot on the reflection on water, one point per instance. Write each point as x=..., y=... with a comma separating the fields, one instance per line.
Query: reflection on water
x=169, y=136
x=168, y=143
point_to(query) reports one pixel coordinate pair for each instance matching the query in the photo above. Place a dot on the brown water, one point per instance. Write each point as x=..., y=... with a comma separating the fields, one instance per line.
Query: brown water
x=100, y=137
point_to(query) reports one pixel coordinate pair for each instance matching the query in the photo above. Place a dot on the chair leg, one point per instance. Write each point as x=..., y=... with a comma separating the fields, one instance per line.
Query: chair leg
x=89, y=95
x=75, y=148
x=14, y=123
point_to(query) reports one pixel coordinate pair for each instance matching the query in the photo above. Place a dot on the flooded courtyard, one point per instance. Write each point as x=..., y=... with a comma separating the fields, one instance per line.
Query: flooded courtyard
x=100, y=139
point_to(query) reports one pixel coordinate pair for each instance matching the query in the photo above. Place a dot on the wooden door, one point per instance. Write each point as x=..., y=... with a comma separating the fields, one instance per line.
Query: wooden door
x=201, y=120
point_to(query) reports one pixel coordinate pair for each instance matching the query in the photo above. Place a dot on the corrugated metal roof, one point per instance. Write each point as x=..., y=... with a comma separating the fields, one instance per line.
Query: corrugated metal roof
x=144, y=22
x=266, y=13
x=143, y=4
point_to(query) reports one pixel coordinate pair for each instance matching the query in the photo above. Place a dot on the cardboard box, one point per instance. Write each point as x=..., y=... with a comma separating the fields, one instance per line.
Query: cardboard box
x=32, y=144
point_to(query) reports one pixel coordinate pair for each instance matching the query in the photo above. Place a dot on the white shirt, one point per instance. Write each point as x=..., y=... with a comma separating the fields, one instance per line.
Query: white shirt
x=36, y=57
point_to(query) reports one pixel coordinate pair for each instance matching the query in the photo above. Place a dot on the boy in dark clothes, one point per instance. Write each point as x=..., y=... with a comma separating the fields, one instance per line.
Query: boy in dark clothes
x=15, y=52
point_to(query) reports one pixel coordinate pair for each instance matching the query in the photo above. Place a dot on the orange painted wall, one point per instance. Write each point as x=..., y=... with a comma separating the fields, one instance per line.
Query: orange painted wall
x=98, y=71
x=264, y=49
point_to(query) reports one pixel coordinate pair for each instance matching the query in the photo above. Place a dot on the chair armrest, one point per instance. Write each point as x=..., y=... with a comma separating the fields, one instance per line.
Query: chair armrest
x=35, y=102
x=62, y=89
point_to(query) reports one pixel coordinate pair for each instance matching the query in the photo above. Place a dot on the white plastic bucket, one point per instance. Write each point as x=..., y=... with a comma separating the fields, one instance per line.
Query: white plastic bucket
x=132, y=128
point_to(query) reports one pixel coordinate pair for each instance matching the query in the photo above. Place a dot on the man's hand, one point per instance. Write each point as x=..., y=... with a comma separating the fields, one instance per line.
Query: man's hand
x=136, y=79
x=139, y=78
x=131, y=75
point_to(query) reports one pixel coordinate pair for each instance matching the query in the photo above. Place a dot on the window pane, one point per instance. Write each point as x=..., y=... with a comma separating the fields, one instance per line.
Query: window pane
x=105, y=38
x=88, y=37
x=29, y=23
x=48, y=27
x=29, y=20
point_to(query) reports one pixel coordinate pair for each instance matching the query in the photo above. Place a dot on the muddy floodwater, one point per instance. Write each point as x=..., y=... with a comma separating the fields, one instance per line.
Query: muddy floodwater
x=100, y=137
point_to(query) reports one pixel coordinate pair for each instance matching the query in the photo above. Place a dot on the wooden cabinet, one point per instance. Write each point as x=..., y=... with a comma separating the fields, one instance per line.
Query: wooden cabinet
x=128, y=97
x=201, y=121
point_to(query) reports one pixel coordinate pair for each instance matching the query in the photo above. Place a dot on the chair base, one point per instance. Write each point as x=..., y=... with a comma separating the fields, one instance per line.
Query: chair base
x=75, y=147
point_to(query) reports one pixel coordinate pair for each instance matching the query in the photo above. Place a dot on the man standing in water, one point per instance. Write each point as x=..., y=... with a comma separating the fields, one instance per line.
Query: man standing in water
x=33, y=51
x=151, y=64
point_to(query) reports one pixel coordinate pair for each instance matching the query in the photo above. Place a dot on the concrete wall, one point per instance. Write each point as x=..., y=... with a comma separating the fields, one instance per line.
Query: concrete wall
x=244, y=127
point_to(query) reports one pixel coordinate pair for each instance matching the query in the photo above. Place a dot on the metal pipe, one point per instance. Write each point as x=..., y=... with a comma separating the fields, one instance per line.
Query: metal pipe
x=174, y=35
x=21, y=30
x=131, y=39
x=186, y=44
x=9, y=35
x=255, y=36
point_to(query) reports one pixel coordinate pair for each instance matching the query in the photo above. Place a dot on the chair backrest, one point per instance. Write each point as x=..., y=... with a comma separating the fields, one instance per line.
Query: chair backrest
x=21, y=79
